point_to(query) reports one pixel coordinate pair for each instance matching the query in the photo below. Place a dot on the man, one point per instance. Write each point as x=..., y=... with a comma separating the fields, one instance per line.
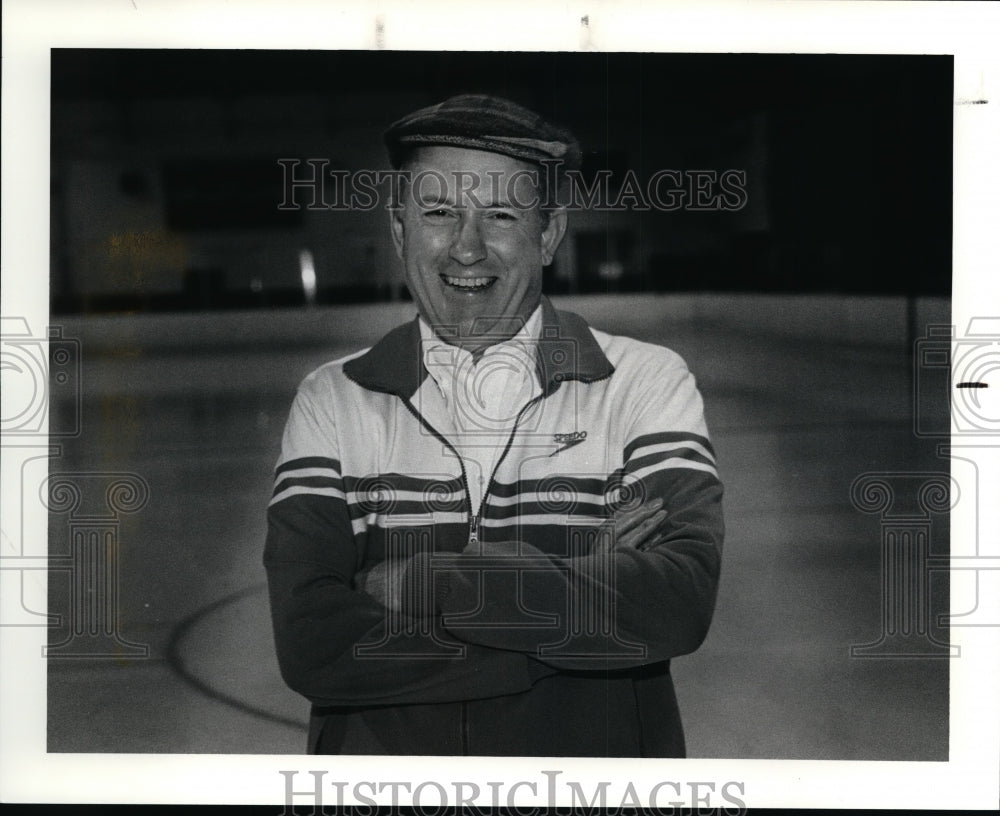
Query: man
x=491, y=531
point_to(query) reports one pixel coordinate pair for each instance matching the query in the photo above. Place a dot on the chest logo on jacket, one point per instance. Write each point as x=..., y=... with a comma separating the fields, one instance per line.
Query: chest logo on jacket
x=567, y=440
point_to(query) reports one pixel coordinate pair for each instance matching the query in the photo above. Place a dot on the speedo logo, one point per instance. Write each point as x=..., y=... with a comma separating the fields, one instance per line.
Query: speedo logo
x=567, y=440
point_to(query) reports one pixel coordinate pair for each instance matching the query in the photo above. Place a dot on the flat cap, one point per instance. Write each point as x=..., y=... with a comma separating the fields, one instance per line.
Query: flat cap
x=482, y=122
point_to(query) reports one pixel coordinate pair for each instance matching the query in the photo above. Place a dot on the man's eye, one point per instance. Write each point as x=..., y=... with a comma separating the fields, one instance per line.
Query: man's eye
x=439, y=214
x=503, y=215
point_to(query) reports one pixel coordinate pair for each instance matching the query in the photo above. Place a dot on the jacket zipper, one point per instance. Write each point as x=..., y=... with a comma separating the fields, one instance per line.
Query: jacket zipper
x=444, y=440
x=474, y=523
x=473, y=519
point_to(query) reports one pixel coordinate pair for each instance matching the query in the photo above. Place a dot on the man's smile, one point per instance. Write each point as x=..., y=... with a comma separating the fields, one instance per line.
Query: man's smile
x=477, y=284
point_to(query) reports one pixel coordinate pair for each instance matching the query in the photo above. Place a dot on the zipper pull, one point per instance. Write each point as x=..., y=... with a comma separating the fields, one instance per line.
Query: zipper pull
x=474, y=530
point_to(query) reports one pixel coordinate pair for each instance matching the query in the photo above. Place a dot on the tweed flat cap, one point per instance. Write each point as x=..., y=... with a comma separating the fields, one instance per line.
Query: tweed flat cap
x=483, y=122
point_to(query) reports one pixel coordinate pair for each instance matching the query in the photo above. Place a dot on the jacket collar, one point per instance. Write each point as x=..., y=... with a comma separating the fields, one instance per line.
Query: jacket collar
x=566, y=351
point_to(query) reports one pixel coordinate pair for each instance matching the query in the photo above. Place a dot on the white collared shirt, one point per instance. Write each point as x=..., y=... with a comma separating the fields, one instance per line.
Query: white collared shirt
x=483, y=399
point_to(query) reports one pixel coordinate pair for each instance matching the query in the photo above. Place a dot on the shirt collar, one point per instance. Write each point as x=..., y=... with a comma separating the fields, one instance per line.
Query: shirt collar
x=566, y=351
x=524, y=339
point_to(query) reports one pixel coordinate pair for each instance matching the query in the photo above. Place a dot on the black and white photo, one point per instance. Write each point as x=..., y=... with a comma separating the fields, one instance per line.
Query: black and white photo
x=611, y=414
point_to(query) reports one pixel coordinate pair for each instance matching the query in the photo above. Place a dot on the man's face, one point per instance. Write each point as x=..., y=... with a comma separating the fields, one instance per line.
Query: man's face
x=472, y=251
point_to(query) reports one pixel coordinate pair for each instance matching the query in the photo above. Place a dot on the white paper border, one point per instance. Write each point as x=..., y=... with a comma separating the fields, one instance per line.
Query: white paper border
x=967, y=30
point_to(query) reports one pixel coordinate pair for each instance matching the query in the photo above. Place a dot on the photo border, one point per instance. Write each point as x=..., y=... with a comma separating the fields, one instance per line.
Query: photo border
x=970, y=777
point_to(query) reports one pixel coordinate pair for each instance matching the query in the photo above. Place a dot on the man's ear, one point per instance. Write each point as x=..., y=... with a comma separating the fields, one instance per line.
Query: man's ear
x=553, y=234
x=396, y=224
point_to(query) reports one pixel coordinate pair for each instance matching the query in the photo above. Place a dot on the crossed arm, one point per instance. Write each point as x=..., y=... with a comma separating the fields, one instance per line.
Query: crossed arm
x=654, y=580
x=653, y=585
x=387, y=582
x=645, y=593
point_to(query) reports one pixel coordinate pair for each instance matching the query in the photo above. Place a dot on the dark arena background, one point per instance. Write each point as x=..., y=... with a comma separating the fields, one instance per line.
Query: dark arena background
x=199, y=303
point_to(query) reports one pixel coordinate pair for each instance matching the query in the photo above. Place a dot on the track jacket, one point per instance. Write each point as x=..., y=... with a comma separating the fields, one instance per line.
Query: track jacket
x=523, y=630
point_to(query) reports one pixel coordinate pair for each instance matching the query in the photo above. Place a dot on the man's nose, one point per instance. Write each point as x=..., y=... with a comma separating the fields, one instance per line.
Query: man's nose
x=467, y=246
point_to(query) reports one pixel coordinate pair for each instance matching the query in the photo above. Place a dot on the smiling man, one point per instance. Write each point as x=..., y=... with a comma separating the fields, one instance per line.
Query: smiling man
x=474, y=240
x=492, y=531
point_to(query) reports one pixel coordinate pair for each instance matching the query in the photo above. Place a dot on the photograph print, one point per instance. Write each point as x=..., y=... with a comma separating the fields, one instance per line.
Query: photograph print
x=500, y=404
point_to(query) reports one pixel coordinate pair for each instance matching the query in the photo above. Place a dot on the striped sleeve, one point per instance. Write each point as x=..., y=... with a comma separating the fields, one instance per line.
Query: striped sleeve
x=322, y=622
x=308, y=476
x=672, y=579
x=647, y=603
x=669, y=450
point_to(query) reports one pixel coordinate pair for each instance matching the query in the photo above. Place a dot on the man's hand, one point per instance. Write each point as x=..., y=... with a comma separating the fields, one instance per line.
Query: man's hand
x=384, y=582
x=401, y=586
x=637, y=528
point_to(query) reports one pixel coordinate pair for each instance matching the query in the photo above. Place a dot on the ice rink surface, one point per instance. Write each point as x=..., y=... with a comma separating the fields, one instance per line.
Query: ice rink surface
x=194, y=405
